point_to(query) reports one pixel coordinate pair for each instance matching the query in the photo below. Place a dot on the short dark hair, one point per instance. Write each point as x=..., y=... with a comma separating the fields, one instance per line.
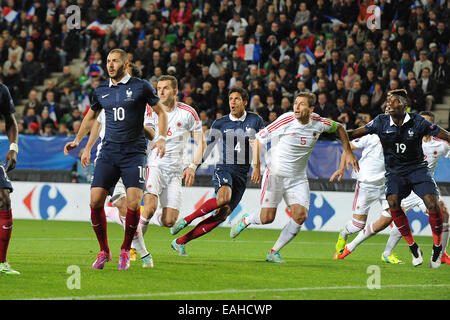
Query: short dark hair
x=309, y=95
x=427, y=113
x=123, y=54
x=241, y=91
x=172, y=79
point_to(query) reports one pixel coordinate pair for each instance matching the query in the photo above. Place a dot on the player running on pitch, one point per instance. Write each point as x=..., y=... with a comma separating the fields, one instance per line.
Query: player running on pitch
x=232, y=132
x=292, y=137
x=401, y=136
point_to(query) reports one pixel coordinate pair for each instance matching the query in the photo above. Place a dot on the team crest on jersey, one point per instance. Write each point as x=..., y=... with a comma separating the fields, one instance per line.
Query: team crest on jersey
x=410, y=133
x=129, y=94
x=179, y=124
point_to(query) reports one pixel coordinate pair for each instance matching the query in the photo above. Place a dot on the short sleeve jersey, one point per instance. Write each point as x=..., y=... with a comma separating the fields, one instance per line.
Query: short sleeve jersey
x=125, y=106
x=232, y=136
x=181, y=122
x=292, y=143
x=402, y=146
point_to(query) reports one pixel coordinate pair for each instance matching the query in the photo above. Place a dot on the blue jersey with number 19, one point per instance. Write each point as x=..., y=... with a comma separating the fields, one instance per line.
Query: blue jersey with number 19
x=125, y=105
x=402, y=146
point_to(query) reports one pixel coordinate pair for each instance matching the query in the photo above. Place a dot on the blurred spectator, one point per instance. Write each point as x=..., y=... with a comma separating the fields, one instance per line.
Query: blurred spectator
x=344, y=114
x=31, y=73
x=54, y=109
x=33, y=103
x=181, y=17
x=49, y=58
x=429, y=88
x=67, y=79
x=13, y=61
x=441, y=74
x=422, y=63
x=415, y=94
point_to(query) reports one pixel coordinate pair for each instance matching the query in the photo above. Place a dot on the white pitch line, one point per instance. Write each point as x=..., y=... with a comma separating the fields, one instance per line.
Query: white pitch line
x=237, y=291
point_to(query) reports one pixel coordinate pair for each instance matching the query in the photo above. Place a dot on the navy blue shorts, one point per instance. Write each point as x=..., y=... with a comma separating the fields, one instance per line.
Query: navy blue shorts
x=5, y=183
x=420, y=181
x=236, y=180
x=115, y=162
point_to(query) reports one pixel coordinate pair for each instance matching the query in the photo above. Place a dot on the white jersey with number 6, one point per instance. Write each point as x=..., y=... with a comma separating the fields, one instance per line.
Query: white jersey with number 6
x=180, y=123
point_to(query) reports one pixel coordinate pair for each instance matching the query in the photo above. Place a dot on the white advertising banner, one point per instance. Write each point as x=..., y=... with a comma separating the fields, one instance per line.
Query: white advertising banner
x=329, y=211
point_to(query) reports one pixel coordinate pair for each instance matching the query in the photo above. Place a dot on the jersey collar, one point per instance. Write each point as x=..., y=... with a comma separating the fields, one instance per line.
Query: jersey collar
x=124, y=80
x=392, y=123
x=238, y=119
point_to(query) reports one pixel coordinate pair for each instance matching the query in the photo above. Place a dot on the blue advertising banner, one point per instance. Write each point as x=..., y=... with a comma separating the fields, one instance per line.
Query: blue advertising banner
x=46, y=153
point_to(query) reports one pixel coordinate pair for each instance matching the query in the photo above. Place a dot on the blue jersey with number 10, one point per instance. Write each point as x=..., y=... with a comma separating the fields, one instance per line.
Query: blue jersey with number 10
x=125, y=106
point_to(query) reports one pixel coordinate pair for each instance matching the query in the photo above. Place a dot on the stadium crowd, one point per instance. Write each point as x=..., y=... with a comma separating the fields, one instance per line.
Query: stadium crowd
x=322, y=46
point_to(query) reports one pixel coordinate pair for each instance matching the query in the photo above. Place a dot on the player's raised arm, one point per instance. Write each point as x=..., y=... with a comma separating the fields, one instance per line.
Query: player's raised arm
x=357, y=133
x=444, y=135
x=86, y=125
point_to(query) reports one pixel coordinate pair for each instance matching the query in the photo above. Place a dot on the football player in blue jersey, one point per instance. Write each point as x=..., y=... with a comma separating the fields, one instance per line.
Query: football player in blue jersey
x=123, y=154
x=401, y=136
x=232, y=132
x=7, y=110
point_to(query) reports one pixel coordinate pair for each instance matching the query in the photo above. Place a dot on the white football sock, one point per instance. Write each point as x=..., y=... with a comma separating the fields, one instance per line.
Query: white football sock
x=366, y=233
x=138, y=243
x=394, y=238
x=444, y=236
x=288, y=233
x=143, y=224
x=156, y=219
x=253, y=219
x=352, y=226
x=113, y=214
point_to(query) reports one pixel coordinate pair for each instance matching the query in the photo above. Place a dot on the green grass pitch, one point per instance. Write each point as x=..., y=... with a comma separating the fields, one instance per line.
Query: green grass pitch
x=47, y=253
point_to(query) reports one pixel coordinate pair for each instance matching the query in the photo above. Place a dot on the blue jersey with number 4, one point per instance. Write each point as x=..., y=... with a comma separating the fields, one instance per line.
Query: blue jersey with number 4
x=402, y=146
x=232, y=136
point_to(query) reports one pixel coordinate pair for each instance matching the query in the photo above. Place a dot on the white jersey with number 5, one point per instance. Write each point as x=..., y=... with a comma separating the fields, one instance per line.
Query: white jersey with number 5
x=292, y=143
x=180, y=122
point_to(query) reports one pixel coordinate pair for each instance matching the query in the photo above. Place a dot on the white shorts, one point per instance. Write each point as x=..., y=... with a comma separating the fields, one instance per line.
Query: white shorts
x=275, y=188
x=166, y=185
x=366, y=195
x=119, y=192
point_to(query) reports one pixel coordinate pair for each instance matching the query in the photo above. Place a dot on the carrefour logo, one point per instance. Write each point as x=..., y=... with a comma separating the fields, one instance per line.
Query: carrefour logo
x=44, y=202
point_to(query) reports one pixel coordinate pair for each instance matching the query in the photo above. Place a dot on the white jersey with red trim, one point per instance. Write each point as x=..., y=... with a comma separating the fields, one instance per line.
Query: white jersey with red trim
x=371, y=163
x=292, y=143
x=433, y=150
x=180, y=123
